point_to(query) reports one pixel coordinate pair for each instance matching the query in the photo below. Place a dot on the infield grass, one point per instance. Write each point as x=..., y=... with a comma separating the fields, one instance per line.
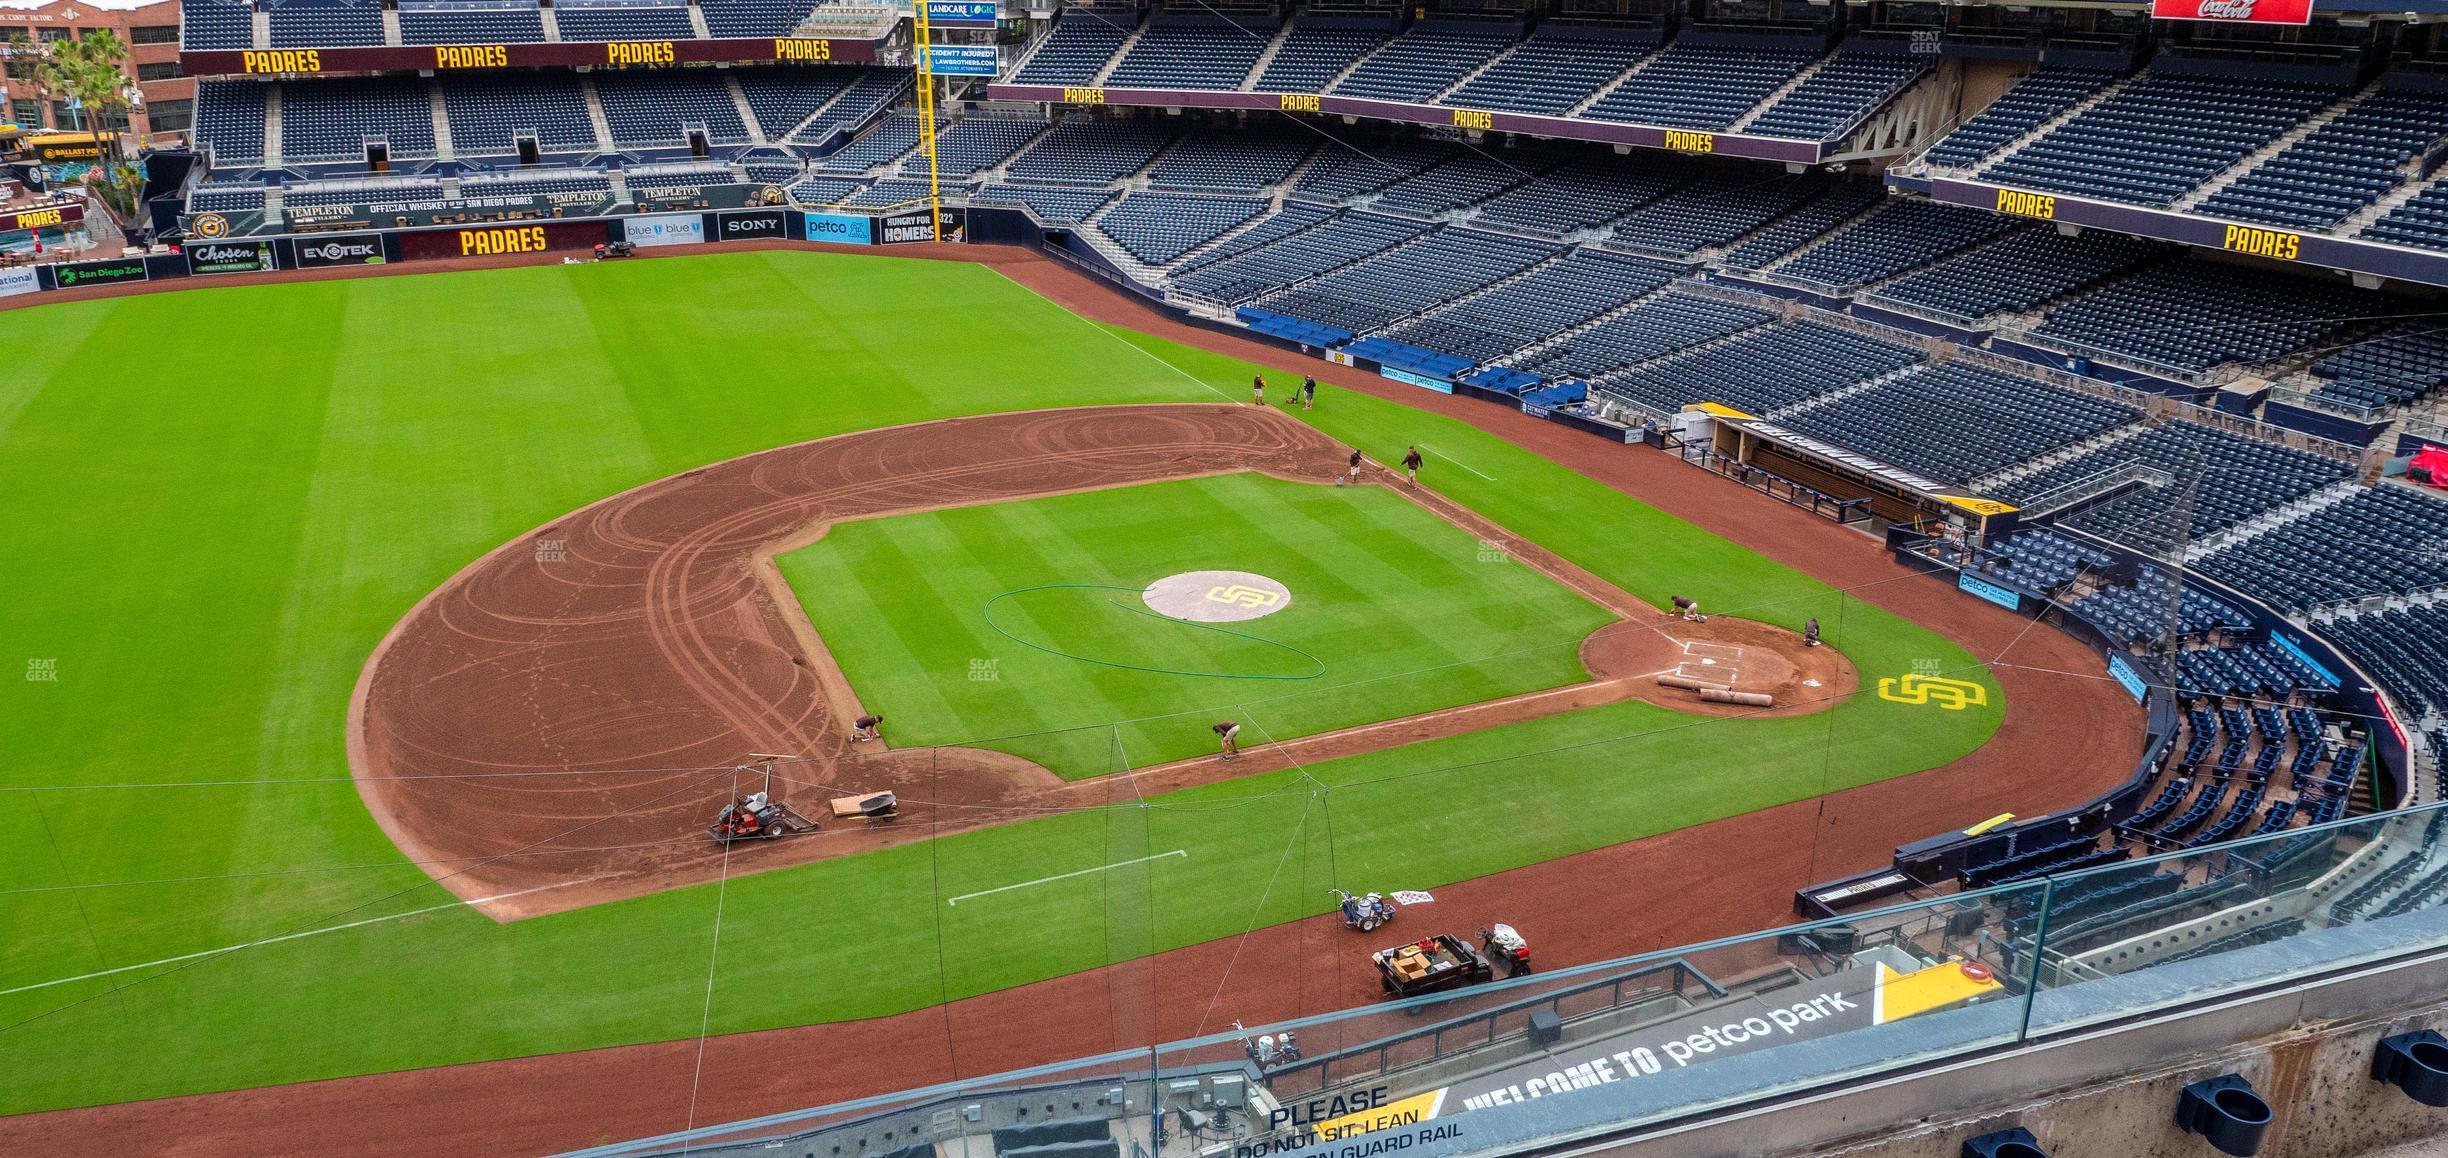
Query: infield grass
x=214, y=503
x=1394, y=611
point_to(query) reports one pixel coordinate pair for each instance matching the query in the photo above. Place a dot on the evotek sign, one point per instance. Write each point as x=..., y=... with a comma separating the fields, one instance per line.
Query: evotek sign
x=2235, y=11
x=340, y=249
x=229, y=257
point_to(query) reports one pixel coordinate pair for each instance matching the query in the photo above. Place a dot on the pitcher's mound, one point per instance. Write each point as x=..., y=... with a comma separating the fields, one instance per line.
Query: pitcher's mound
x=1216, y=596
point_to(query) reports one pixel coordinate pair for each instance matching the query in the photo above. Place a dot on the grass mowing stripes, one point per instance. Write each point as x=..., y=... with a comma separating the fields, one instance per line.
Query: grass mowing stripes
x=210, y=542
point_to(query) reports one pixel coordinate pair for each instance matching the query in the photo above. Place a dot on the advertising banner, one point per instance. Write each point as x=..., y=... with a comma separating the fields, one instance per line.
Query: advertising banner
x=2127, y=678
x=486, y=57
x=2009, y=600
x=961, y=13
x=21, y=280
x=108, y=271
x=1422, y=381
x=840, y=228
x=749, y=226
x=334, y=249
x=2234, y=11
x=963, y=59
x=904, y=227
x=42, y=216
x=487, y=241
x=666, y=229
x=207, y=257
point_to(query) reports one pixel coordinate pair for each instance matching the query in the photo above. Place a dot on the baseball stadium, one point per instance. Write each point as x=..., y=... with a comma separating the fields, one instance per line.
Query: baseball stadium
x=1156, y=579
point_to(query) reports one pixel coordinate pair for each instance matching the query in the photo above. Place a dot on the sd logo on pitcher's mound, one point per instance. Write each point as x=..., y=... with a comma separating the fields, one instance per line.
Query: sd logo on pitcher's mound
x=1216, y=596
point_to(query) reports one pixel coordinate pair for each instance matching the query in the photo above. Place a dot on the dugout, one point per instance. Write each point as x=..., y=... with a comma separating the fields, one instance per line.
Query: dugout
x=1833, y=481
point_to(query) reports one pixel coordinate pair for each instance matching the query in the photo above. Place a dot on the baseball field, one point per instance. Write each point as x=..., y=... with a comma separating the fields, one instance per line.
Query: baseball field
x=282, y=585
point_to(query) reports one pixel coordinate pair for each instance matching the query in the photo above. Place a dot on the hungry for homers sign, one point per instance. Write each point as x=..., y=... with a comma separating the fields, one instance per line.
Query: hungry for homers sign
x=2234, y=11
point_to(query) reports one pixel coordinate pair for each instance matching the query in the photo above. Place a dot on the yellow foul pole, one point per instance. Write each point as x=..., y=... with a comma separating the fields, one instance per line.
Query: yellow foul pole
x=925, y=38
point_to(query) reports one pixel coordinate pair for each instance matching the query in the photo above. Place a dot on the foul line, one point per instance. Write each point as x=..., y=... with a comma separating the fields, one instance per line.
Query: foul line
x=1180, y=852
x=282, y=937
x=1459, y=463
x=1092, y=324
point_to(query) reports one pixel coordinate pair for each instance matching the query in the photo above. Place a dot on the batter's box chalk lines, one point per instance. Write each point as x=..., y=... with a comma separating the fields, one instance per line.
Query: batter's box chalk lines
x=283, y=937
x=1180, y=852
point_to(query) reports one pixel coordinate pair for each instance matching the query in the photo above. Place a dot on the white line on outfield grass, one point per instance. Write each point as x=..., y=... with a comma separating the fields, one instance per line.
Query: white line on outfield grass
x=1143, y=351
x=1180, y=852
x=1458, y=462
x=281, y=938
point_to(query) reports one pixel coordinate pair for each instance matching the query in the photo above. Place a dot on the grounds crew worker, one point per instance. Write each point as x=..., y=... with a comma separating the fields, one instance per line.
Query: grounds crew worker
x=1354, y=476
x=1228, y=734
x=1257, y=389
x=1411, y=465
x=866, y=728
x=1308, y=391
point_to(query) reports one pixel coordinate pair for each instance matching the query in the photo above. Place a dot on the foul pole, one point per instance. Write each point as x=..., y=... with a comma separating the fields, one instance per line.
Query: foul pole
x=924, y=35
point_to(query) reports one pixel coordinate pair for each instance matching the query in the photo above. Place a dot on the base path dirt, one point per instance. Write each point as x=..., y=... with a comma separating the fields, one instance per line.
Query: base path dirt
x=2068, y=734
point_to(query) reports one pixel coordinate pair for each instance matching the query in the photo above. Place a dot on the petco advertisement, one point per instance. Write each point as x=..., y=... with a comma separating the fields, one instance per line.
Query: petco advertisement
x=841, y=228
x=340, y=249
x=667, y=229
x=212, y=257
x=18, y=281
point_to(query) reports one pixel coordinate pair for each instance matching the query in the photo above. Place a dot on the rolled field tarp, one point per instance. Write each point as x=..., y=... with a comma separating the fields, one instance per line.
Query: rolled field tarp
x=1687, y=683
x=1723, y=696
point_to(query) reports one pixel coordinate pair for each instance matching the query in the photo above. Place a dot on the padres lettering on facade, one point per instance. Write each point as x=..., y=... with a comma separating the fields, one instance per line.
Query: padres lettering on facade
x=1684, y=142
x=2023, y=204
x=791, y=48
x=1473, y=119
x=471, y=56
x=491, y=241
x=1297, y=102
x=2263, y=242
x=33, y=219
x=293, y=60
x=640, y=52
x=1083, y=96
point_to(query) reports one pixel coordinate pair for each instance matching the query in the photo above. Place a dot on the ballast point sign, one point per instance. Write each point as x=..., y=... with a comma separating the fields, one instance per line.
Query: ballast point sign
x=2234, y=11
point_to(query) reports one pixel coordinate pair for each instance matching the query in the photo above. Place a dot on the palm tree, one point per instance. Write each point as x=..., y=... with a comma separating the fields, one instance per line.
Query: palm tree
x=92, y=69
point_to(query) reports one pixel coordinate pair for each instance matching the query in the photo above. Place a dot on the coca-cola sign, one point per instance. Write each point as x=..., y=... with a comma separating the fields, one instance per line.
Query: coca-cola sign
x=2235, y=11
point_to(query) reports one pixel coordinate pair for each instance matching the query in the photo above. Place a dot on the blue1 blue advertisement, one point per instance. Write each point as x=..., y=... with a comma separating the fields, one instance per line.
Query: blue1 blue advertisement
x=1989, y=591
x=841, y=228
x=962, y=59
x=962, y=13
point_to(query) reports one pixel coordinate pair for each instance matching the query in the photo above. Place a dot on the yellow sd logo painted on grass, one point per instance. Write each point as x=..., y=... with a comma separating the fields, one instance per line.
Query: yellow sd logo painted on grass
x=1241, y=595
x=1953, y=695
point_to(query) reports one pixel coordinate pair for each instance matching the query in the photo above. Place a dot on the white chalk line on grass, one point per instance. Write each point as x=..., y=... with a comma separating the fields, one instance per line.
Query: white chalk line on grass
x=1458, y=462
x=1180, y=852
x=1092, y=324
x=277, y=940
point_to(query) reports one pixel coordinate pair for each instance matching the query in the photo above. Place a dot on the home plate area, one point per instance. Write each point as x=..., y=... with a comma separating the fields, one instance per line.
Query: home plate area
x=1719, y=663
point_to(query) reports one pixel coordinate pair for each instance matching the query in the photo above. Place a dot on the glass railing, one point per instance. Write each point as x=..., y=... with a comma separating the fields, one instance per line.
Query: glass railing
x=1496, y=1064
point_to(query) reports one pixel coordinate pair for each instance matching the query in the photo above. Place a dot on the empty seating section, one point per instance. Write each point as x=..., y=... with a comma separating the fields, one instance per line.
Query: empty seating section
x=1306, y=254
x=1053, y=206
x=1158, y=228
x=1088, y=152
x=1535, y=306
x=1760, y=371
x=1421, y=276
x=2407, y=647
x=1194, y=52
x=2240, y=477
x=362, y=193
x=331, y=120
x=1956, y=420
x=489, y=113
x=1904, y=234
x=1581, y=196
x=2190, y=316
x=1662, y=325
x=975, y=144
x=893, y=137
x=2020, y=272
x=2028, y=105
x=1423, y=62
x=470, y=22
x=623, y=20
x=2161, y=135
x=1466, y=180
x=1345, y=170
x=560, y=187
x=2381, y=541
x=825, y=190
x=2339, y=167
x=2422, y=221
x=1240, y=162
x=1549, y=73
x=1076, y=51
x=226, y=199
x=323, y=24
x=230, y=120
x=1700, y=86
x=890, y=193
x=753, y=18
x=781, y=98
x=1843, y=93
x=1804, y=225
x=221, y=24
x=1313, y=55
x=1292, y=218
x=869, y=93
x=651, y=109
x=1712, y=211
x=2400, y=365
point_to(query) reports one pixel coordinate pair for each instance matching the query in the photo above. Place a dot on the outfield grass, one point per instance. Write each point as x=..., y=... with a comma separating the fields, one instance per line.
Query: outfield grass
x=1393, y=612
x=209, y=543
